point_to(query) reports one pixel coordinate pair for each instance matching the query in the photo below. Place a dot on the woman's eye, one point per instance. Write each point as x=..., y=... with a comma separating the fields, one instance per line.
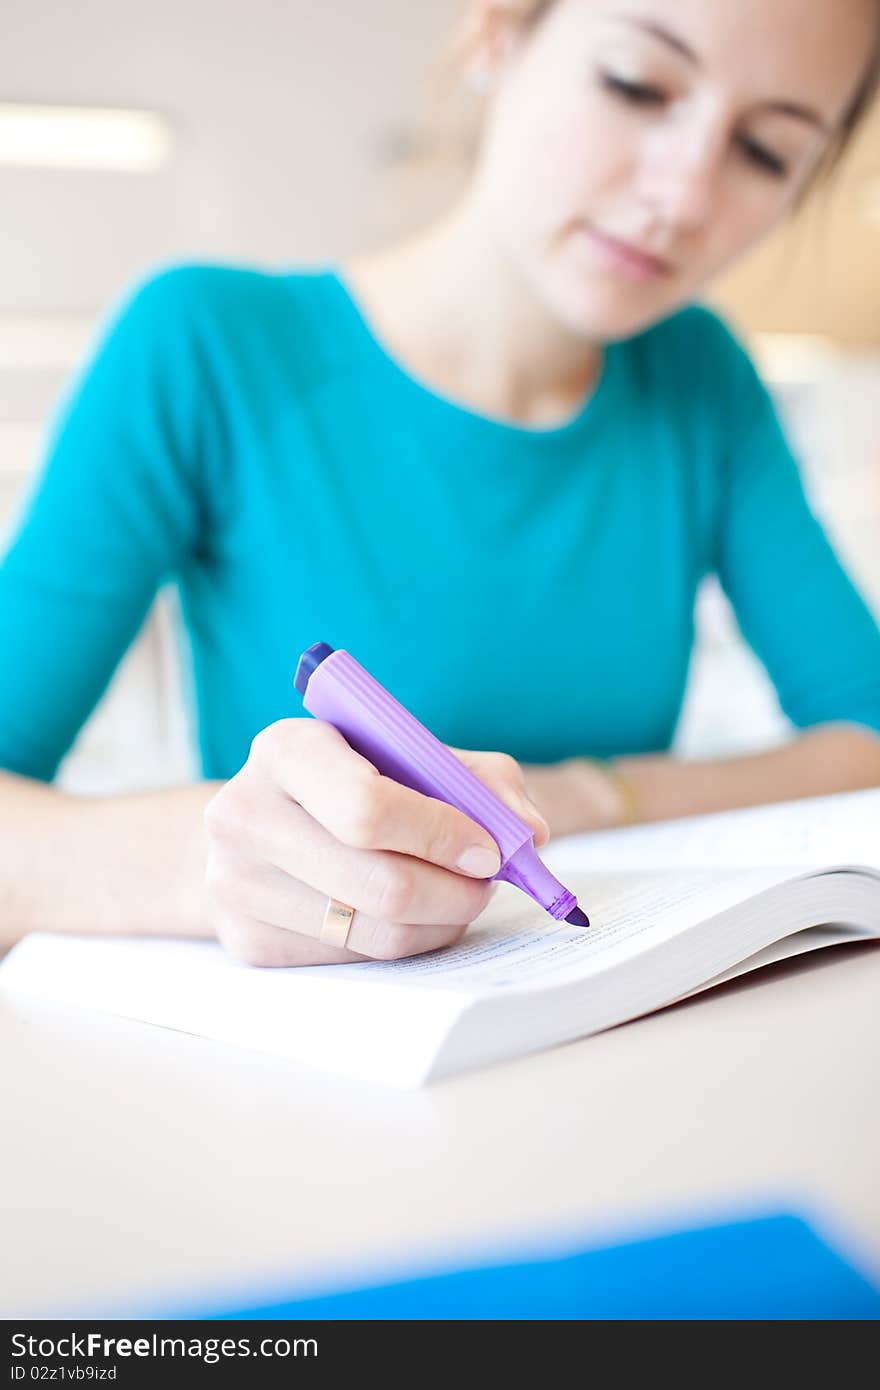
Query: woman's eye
x=763, y=158
x=637, y=93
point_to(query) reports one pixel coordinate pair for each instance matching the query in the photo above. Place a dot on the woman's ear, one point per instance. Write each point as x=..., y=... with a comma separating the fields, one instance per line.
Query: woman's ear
x=491, y=32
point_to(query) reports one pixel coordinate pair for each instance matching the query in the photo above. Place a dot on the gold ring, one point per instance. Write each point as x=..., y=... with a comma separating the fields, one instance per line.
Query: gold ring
x=336, y=924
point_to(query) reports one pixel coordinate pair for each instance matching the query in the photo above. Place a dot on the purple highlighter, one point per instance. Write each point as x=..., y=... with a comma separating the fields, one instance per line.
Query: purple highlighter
x=337, y=689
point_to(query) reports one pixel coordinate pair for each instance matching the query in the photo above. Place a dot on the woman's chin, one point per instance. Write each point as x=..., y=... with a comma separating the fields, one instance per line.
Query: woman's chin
x=603, y=313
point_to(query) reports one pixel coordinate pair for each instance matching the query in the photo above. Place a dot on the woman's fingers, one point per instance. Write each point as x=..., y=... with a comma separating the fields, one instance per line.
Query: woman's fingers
x=307, y=819
x=504, y=776
x=315, y=766
x=259, y=943
x=269, y=918
x=383, y=885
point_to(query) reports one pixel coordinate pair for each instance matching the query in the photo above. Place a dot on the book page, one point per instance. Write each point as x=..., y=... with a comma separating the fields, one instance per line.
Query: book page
x=312, y=1015
x=799, y=943
x=515, y=945
x=816, y=832
x=353, y=1018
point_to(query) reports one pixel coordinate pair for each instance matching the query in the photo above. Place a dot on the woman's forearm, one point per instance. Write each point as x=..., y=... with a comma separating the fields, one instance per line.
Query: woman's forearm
x=579, y=794
x=827, y=758
x=104, y=864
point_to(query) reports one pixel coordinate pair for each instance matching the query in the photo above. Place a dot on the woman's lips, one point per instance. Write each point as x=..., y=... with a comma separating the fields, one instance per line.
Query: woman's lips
x=625, y=258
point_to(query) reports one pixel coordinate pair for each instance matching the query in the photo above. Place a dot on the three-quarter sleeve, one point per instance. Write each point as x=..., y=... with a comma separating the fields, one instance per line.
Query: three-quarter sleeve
x=795, y=603
x=114, y=512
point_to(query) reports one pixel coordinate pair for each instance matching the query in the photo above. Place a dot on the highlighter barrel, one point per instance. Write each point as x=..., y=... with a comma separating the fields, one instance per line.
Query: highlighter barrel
x=337, y=689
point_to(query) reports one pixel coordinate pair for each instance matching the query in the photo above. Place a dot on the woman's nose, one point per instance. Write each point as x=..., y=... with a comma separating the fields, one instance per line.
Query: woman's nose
x=679, y=180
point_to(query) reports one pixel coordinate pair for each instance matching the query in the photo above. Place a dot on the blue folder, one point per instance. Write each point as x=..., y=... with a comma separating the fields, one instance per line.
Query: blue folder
x=772, y=1267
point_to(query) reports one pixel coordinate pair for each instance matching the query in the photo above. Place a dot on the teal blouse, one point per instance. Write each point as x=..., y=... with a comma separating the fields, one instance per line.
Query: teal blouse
x=245, y=436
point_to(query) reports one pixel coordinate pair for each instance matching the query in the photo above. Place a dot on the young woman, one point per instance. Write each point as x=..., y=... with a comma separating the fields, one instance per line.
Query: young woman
x=493, y=462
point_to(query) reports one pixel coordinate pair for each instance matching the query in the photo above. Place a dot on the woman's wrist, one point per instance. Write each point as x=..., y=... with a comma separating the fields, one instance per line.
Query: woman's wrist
x=609, y=799
x=626, y=800
x=133, y=863
x=581, y=794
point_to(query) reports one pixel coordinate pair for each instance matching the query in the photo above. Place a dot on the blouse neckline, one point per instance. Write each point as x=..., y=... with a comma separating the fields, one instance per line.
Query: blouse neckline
x=582, y=416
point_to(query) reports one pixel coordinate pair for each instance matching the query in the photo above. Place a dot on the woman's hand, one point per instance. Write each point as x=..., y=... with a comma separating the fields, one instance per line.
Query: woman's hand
x=575, y=795
x=307, y=818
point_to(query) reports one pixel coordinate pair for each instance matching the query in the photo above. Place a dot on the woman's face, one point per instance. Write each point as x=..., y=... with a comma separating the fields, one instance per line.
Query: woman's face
x=682, y=128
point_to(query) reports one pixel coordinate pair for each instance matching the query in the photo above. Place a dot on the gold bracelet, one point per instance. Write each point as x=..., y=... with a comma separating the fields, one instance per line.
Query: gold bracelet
x=624, y=790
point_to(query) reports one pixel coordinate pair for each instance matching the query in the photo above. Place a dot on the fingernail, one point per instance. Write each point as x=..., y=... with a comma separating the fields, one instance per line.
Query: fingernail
x=479, y=862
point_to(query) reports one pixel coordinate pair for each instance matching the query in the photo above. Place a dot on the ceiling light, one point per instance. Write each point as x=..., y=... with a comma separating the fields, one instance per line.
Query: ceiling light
x=43, y=341
x=83, y=137
x=20, y=445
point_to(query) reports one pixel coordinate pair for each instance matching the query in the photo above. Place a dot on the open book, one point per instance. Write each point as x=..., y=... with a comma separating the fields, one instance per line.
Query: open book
x=675, y=908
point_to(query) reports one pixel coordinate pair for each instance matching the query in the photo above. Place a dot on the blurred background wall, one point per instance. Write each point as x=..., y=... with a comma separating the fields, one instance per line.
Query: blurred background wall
x=284, y=131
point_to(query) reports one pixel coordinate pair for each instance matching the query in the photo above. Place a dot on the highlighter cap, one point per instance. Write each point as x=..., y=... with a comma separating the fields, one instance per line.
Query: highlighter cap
x=309, y=662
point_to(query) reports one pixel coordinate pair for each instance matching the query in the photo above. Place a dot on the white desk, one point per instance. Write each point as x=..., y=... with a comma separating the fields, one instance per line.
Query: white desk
x=140, y=1167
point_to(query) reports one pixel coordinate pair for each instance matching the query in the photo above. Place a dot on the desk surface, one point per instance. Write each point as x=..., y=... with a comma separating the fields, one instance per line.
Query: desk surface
x=143, y=1168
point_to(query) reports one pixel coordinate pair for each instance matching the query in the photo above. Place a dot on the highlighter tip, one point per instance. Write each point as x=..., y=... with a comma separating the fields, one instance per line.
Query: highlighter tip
x=578, y=918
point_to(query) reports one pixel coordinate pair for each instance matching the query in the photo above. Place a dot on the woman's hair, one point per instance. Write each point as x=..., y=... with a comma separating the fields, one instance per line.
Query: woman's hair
x=860, y=104
x=531, y=12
